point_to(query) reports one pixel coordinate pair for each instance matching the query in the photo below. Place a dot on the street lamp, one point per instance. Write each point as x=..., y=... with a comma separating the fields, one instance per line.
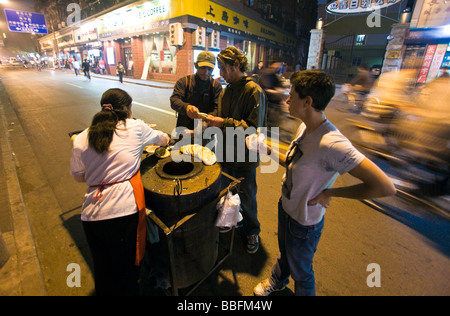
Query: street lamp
x=319, y=24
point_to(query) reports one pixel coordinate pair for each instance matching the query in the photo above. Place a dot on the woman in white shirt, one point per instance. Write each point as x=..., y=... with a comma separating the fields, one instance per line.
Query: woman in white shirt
x=107, y=157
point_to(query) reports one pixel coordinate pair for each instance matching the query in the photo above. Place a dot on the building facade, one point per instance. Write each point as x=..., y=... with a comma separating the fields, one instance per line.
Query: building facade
x=409, y=34
x=356, y=33
x=160, y=39
x=427, y=43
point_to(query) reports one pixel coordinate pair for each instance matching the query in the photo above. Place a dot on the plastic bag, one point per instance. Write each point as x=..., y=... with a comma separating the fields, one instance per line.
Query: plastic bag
x=256, y=143
x=229, y=211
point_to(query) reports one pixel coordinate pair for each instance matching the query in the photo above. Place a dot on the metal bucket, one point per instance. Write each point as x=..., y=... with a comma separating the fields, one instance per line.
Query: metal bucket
x=173, y=191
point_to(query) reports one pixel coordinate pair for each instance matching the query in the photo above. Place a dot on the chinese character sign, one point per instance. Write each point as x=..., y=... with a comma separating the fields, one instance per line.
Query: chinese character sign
x=26, y=22
x=359, y=6
x=436, y=63
x=427, y=63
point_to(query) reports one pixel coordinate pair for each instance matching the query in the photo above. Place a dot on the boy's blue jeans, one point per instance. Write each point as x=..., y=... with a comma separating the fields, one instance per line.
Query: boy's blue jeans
x=297, y=245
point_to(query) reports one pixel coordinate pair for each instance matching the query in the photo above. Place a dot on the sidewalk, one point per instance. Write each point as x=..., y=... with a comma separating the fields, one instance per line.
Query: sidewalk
x=149, y=83
x=21, y=275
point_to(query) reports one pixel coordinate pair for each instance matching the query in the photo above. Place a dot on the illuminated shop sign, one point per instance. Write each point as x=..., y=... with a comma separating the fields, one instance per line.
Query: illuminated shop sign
x=153, y=9
x=152, y=15
x=132, y=19
x=237, y=23
x=359, y=6
x=423, y=74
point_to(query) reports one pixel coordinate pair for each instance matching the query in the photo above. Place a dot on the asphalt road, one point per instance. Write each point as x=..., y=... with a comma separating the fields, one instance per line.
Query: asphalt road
x=410, y=245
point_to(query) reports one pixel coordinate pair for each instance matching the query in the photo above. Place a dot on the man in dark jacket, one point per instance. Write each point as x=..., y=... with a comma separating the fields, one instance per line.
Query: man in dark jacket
x=197, y=93
x=86, y=69
x=243, y=104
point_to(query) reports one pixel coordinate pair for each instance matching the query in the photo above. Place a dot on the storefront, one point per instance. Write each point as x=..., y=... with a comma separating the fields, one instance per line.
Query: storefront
x=78, y=42
x=160, y=39
x=427, y=47
x=427, y=50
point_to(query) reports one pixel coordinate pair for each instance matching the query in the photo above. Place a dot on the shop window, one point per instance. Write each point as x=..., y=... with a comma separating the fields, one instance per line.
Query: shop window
x=161, y=54
x=129, y=70
x=360, y=40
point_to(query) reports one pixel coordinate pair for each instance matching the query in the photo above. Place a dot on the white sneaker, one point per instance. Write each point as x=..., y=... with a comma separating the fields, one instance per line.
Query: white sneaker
x=265, y=288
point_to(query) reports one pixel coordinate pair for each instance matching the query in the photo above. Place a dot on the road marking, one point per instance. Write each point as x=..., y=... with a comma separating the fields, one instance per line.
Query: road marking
x=74, y=85
x=280, y=146
x=171, y=113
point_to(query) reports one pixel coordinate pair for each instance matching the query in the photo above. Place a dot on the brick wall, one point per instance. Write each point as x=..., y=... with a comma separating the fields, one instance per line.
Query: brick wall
x=138, y=56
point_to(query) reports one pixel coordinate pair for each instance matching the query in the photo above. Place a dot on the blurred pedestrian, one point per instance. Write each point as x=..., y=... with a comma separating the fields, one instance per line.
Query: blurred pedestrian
x=101, y=65
x=86, y=69
x=242, y=104
x=107, y=157
x=76, y=67
x=315, y=158
x=257, y=71
x=120, y=71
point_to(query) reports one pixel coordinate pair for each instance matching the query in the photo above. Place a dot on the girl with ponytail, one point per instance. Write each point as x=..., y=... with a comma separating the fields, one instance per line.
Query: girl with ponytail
x=107, y=156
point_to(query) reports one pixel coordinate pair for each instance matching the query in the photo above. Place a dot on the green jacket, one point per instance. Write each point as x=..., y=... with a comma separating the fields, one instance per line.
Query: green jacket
x=242, y=104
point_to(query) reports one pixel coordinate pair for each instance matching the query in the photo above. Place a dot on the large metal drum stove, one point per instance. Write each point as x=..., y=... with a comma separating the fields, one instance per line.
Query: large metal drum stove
x=182, y=197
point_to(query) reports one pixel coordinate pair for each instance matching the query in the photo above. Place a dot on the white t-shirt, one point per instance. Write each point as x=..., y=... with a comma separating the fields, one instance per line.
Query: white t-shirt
x=326, y=153
x=120, y=163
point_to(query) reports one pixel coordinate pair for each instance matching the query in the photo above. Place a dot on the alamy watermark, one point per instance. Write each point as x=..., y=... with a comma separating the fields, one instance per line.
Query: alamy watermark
x=374, y=19
x=75, y=14
x=229, y=145
x=74, y=277
x=374, y=278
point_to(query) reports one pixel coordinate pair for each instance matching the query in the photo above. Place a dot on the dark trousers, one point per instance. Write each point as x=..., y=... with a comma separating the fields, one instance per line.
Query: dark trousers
x=113, y=247
x=120, y=76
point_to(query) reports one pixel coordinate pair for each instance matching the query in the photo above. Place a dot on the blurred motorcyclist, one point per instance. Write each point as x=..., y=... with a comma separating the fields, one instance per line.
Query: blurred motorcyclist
x=362, y=83
x=272, y=84
x=270, y=81
x=415, y=126
x=444, y=72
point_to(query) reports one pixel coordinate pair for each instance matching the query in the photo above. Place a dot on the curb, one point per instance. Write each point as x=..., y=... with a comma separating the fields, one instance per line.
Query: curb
x=22, y=274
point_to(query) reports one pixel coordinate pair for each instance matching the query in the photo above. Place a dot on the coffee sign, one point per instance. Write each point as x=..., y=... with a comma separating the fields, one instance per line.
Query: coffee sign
x=359, y=6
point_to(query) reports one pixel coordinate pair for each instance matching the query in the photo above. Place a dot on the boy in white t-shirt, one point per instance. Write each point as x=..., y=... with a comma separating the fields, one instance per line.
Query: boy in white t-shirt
x=315, y=158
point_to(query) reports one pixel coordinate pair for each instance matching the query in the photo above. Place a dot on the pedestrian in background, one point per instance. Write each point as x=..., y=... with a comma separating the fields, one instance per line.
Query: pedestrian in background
x=242, y=104
x=120, y=70
x=107, y=157
x=101, y=65
x=76, y=67
x=315, y=158
x=86, y=69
